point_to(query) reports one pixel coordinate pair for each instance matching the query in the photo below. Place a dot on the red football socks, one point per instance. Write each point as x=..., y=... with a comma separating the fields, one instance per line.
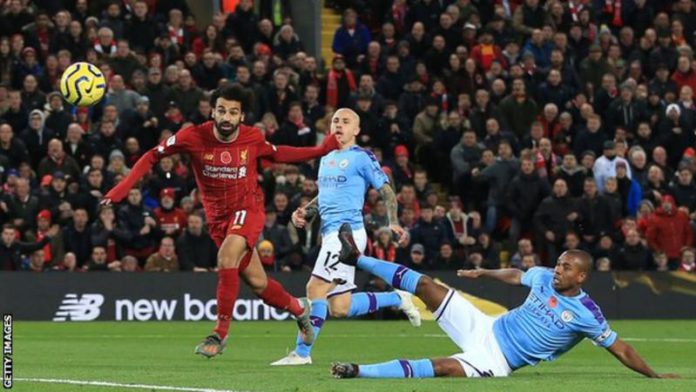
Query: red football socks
x=276, y=296
x=227, y=290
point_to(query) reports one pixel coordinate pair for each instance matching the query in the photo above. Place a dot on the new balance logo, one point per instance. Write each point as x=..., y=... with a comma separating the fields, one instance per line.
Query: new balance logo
x=79, y=308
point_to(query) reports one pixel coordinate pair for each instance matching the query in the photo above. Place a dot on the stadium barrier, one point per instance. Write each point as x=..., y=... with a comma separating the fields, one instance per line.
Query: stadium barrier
x=191, y=296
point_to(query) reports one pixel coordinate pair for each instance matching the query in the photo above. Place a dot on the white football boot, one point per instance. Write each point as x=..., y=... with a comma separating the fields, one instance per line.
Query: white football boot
x=409, y=308
x=292, y=359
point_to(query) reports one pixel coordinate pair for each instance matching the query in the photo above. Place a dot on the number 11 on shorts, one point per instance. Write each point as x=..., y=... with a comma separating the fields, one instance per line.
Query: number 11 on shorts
x=239, y=218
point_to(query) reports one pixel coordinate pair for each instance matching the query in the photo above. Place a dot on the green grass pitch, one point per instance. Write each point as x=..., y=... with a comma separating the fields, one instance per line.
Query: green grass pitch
x=161, y=354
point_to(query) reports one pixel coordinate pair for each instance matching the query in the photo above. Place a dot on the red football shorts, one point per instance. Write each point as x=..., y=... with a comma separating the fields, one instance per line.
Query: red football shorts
x=244, y=223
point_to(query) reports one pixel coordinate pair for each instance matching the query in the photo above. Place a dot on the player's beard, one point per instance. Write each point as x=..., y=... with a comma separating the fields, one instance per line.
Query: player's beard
x=226, y=133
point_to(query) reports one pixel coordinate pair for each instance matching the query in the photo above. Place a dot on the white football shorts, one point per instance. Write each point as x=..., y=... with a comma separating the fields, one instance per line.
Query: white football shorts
x=472, y=332
x=329, y=269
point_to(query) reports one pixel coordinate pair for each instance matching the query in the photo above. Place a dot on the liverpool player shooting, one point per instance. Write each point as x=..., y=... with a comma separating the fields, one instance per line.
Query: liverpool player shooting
x=224, y=154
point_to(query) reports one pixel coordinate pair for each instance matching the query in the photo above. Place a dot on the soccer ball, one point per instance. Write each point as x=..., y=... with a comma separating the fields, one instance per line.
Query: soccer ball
x=82, y=84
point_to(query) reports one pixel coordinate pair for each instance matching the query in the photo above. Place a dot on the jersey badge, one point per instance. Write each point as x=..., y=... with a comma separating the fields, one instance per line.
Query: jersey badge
x=343, y=164
x=243, y=156
x=567, y=316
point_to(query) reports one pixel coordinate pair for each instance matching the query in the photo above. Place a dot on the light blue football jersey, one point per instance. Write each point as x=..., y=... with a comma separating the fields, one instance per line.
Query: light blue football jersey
x=344, y=177
x=548, y=324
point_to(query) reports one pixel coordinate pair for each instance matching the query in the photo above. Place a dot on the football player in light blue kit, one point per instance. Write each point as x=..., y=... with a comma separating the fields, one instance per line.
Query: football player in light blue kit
x=555, y=317
x=344, y=177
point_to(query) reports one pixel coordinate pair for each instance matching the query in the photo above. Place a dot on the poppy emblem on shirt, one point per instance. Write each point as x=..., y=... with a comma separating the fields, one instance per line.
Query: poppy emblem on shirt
x=243, y=155
x=567, y=316
x=553, y=302
x=225, y=157
x=331, y=163
x=343, y=164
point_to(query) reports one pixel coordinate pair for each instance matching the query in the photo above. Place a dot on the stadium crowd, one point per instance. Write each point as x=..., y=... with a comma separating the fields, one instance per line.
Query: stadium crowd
x=511, y=129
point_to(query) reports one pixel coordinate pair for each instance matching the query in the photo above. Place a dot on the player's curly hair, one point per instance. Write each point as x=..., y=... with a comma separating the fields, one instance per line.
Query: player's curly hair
x=234, y=92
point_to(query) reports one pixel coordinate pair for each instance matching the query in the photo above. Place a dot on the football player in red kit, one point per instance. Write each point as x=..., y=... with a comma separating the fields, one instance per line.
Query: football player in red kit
x=224, y=155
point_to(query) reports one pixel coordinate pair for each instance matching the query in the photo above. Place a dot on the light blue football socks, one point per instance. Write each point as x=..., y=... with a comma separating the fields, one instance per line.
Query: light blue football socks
x=364, y=303
x=394, y=274
x=400, y=368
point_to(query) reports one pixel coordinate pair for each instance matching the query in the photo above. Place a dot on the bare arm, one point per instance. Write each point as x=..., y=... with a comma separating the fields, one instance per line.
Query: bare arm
x=392, y=204
x=302, y=214
x=630, y=358
x=389, y=198
x=511, y=276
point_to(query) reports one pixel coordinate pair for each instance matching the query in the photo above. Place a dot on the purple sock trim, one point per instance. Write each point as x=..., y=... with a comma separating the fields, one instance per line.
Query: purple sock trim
x=408, y=370
x=373, y=302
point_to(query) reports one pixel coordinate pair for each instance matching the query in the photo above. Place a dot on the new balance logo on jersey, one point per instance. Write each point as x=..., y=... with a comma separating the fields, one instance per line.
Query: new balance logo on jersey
x=79, y=308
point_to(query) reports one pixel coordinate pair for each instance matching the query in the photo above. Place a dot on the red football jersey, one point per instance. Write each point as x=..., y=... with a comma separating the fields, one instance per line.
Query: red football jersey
x=225, y=173
x=175, y=219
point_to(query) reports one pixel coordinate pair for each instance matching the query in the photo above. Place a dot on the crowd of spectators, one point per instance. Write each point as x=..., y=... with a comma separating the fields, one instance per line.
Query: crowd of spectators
x=512, y=130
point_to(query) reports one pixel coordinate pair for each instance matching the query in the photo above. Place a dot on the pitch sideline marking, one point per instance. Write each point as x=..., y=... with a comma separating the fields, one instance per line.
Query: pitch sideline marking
x=661, y=340
x=119, y=385
x=360, y=336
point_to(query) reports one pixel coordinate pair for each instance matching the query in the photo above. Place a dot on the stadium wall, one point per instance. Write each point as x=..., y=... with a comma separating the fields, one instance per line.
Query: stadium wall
x=191, y=297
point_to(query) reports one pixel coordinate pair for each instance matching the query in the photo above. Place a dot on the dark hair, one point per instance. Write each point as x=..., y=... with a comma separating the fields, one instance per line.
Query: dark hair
x=234, y=92
x=8, y=226
x=583, y=258
x=406, y=184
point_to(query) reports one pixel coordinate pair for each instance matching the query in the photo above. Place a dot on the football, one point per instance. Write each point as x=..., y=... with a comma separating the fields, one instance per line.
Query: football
x=82, y=84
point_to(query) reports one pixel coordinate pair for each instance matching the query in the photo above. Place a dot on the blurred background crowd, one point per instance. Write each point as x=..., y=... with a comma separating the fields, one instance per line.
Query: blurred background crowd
x=511, y=129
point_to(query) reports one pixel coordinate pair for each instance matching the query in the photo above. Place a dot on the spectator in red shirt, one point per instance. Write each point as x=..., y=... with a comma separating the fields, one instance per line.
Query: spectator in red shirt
x=384, y=248
x=684, y=74
x=668, y=230
x=52, y=250
x=403, y=169
x=170, y=219
x=486, y=51
x=688, y=260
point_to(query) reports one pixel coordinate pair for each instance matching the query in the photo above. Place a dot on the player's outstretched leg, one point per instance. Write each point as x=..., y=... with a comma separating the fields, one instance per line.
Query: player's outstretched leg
x=401, y=368
x=274, y=294
x=301, y=355
x=397, y=275
x=368, y=302
x=229, y=256
x=343, y=306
